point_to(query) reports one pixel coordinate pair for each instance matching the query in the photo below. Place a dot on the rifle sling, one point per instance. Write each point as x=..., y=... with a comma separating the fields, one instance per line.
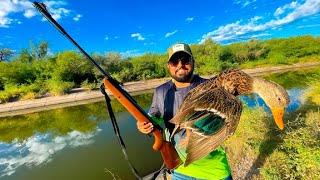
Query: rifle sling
x=117, y=131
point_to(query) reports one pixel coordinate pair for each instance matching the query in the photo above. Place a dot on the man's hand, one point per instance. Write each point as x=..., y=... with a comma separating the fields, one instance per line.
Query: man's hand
x=145, y=127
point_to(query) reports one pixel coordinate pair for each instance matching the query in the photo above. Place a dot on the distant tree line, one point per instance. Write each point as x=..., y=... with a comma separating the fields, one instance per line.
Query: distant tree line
x=33, y=72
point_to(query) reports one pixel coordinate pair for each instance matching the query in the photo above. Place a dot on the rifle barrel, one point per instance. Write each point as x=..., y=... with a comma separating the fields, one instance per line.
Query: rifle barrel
x=43, y=10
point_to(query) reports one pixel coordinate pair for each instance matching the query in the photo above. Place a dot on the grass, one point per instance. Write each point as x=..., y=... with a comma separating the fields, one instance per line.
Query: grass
x=313, y=92
x=278, y=61
x=258, y=150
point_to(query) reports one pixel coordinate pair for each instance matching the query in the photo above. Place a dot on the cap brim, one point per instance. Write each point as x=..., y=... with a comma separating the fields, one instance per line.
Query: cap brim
x=169, y=59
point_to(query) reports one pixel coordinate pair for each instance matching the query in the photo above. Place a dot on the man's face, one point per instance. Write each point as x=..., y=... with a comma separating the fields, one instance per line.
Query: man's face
x=181, y=67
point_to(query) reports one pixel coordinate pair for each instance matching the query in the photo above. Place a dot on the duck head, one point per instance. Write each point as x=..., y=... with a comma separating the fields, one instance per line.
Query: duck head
x=275, y=96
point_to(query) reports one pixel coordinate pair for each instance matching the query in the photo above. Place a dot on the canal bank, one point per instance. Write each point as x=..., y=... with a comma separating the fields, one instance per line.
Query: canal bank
x=80, y=96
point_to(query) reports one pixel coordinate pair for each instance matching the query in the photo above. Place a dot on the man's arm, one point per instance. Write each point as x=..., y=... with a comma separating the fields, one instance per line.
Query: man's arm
x=146, y=128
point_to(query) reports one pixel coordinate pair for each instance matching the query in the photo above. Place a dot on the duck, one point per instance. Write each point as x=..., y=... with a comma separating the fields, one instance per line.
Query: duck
x=210, y=112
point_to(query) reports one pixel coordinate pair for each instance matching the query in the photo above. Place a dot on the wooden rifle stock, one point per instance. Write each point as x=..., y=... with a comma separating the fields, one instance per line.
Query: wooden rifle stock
x=168, y=152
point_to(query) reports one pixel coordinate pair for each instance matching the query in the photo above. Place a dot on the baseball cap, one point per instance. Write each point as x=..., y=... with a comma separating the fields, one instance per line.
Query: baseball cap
x=179, y=47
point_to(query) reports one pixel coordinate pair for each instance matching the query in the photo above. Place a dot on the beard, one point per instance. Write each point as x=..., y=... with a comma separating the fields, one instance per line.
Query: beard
x=182, y=78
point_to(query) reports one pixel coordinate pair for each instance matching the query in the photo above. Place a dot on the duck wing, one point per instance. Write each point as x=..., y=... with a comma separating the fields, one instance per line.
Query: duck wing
x=211, y=117
x=197, y=105
x=233, y=81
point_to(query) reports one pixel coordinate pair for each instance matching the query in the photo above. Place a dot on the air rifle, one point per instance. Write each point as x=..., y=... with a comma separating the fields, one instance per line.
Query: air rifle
x=169, y=154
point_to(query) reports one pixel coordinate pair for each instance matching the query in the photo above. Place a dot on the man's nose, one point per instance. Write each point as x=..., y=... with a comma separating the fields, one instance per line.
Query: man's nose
x=180, y=64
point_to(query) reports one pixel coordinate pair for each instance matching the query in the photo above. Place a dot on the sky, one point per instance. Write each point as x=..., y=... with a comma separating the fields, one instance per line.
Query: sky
x=135, y=27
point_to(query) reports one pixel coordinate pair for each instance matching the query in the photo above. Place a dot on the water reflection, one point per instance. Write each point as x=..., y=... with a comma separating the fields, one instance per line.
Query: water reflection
x=36, y=141
x=295, y=95
x=38, y=149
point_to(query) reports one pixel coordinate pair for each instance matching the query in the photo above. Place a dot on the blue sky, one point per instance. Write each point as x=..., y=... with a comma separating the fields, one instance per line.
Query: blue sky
x=138, y=26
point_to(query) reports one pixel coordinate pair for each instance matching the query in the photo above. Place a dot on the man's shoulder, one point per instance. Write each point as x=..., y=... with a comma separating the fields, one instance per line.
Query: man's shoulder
x=164, y=86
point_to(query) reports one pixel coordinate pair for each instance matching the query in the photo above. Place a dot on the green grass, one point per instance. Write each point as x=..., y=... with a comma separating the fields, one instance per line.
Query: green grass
x=278, y=61
x=313, y=92
x=258, y=150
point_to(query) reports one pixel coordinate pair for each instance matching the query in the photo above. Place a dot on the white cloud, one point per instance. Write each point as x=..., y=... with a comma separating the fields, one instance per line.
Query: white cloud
x=138, y=36
x=131, y=53
x=13, y=6
x=149, y=44
x=29, y=13
x=189, y=19
x=10, y=7
x=77, y=17
x=309, y=26
x=281, y=10
x=38, y=149
x=244, y=3
x=170, y=33
x=58, y=13
x=237, y=29
x=106, y=38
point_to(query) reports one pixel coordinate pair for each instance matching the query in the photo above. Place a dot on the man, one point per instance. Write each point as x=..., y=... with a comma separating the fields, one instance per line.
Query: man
x=166, y=101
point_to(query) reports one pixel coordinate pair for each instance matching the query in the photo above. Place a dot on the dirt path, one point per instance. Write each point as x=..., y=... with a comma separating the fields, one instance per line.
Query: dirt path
x=80, y=96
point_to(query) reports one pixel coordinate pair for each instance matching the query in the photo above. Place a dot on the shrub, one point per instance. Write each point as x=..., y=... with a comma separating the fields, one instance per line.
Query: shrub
x=87, y=85
x=57, y=87
x=298, y=156
x=258, y=151
x=29, y=95
x=313, y=91
x=71, y=67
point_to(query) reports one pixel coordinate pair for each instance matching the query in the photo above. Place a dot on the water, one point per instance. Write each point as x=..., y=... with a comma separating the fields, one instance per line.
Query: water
x=295, y=95
x=79, y=142
x=73, y=143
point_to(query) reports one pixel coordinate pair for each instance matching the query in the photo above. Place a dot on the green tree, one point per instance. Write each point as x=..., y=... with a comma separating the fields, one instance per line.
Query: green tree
x=207, y=56
x=5, y=54
x=24, y=56
x=43, y=50
x=39, y=51
x=226, y=54
x=72, y=67
x=147, y=66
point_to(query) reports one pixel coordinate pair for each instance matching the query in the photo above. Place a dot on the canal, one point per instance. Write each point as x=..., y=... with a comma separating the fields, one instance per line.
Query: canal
x=79, y=142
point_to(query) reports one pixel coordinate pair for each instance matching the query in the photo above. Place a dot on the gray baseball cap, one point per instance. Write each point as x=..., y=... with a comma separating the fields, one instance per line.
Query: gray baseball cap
x=179, y=47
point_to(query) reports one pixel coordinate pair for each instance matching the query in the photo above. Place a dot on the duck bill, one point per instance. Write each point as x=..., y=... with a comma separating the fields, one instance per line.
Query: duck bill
x=278, y=117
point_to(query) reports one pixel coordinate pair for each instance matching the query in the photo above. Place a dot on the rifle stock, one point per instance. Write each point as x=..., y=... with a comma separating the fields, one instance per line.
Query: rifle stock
x=168, y=152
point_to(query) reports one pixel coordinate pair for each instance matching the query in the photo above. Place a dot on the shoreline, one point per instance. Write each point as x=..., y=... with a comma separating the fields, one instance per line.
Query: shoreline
x=80, y=96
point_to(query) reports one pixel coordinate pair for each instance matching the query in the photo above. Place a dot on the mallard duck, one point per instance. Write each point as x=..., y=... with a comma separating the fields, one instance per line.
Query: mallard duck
x=211, y=112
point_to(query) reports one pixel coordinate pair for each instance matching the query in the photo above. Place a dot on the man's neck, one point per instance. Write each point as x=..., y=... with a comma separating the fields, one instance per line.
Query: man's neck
x=182, y=84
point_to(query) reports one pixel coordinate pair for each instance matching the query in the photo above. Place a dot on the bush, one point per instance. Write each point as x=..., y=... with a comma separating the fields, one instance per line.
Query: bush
x=298, y=156
x=4, y=97
x=71, y=67
x=258, y=150
x=29, y=95
x=313, y=91
x=87, y=85
x=148, y=67
x=17, y=73
x=56, y=87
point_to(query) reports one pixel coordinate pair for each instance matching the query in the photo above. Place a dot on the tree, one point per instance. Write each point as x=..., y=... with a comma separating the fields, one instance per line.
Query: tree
x=42, y=49
x=5, y=54
x=39, y=51
x=71, y=67
x=24, y=56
